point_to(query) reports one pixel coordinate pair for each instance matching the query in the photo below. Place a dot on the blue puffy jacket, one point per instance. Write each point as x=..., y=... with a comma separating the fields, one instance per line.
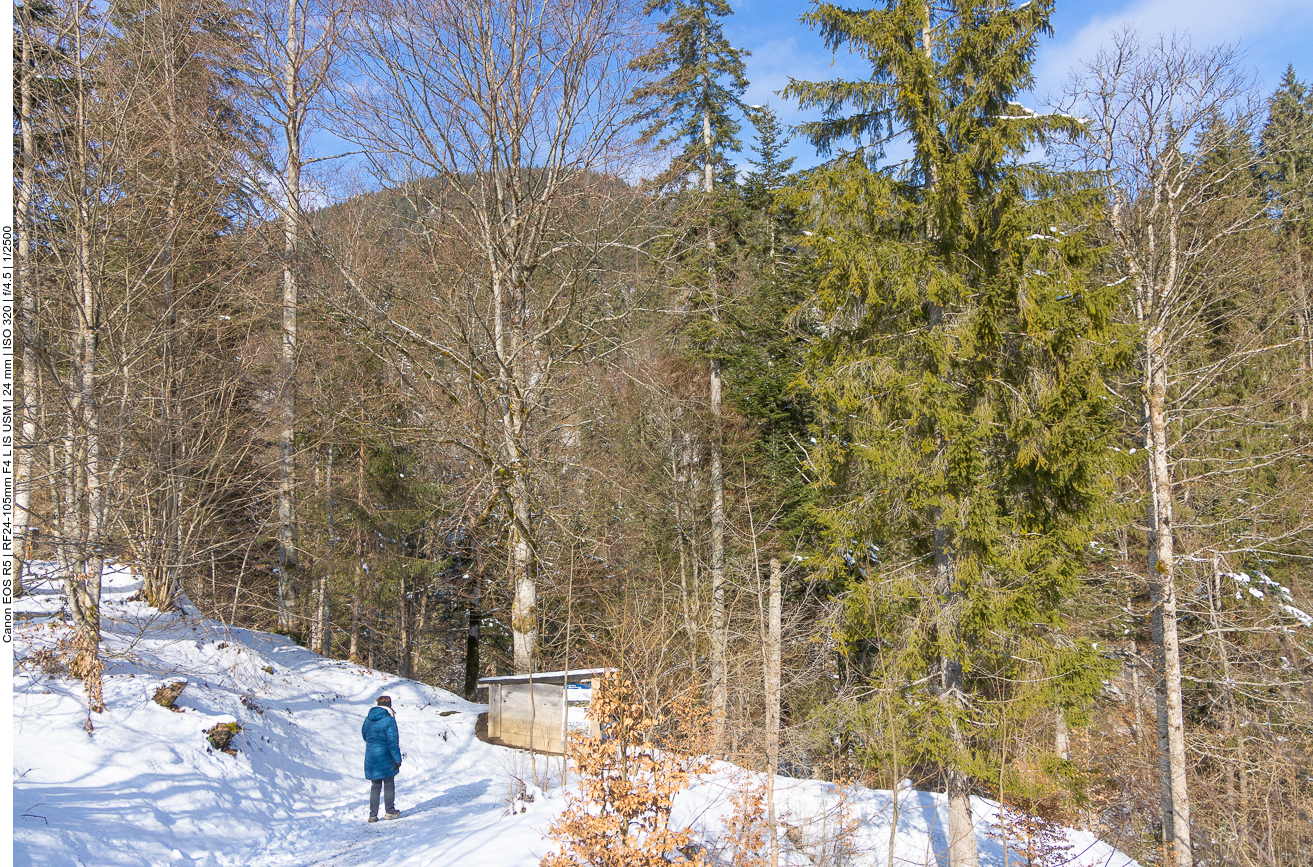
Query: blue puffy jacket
x=382, y=747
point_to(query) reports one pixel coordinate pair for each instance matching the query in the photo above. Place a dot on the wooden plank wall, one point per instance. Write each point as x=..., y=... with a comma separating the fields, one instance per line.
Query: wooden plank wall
x=516, y=722
x=524, y=724
x=494, y=710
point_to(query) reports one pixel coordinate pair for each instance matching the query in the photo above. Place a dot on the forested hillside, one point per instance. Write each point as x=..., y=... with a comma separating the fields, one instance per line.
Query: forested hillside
x=469, y=337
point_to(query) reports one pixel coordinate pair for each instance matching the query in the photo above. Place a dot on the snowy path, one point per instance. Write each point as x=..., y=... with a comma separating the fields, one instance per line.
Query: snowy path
x=145, y=788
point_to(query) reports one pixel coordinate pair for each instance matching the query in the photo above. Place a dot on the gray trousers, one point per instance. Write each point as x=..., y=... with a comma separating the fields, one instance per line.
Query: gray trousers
x=388, y=785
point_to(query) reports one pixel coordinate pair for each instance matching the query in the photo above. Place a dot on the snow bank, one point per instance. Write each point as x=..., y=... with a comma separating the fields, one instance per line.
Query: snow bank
x=145, y=788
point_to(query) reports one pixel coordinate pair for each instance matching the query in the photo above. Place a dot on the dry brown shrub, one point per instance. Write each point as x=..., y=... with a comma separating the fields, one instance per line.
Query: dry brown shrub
x=745, y=828
x=55, y=660
x=1029, y=836
x=628, y=778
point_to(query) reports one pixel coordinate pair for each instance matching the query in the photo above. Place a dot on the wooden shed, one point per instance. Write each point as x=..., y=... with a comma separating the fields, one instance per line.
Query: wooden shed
x=530, y=711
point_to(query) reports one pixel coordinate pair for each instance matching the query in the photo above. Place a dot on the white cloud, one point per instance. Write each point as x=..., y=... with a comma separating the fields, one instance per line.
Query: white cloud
x=1272, y=32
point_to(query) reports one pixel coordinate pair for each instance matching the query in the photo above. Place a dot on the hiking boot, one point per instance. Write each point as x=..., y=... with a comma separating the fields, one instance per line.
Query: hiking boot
x=372, y=819
x=392, y=814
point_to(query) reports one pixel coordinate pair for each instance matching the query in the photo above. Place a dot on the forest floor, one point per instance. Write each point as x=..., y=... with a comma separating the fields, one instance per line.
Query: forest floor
x=144, y=786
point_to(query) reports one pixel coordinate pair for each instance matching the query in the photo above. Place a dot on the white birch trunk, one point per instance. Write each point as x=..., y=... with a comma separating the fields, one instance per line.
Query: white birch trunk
x=287, y=369
x=772, y=685
x=320, y=638
x=1176, y=818
x=86, y=499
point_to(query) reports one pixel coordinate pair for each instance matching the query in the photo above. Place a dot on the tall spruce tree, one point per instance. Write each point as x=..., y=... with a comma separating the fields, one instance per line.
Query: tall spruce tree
x=1287, y=167
x=962, y=418
x=762, y=187
x=694, y=103
x=695, y=100
x=763, y=352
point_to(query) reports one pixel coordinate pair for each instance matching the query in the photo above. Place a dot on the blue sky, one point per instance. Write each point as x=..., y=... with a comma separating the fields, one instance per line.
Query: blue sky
x=1273, y=33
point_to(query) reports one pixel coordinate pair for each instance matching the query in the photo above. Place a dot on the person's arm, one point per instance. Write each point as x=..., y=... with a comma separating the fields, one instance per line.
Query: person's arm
x=394, y=741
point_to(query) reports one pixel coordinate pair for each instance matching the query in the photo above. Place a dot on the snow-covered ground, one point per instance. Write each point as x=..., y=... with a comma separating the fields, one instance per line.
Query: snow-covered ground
x=145, y=788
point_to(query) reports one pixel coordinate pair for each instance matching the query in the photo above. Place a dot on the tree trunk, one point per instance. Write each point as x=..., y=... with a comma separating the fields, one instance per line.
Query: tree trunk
x=87, y=512
x=1231, y=764
x=687, y=602
x=165, y=537
x=170, y=524
x=357, y=584
x=403, y=614
x=962, y=849
x=524, y=603
x=418, y=632
x=772, y=685
x=1160, y=717
x=353, y=653
x=472, y=640
x=287, y=369
x=1176, y=807
x=506, y=297
x=719, y=622
x=1137, y=697
x=321, y=638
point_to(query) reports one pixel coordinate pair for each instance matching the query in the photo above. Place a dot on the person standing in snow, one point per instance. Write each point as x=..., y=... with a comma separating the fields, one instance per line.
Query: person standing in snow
x=382, y=756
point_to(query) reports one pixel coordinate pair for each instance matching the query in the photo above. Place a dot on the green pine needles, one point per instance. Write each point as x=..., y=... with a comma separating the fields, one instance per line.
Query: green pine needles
x=695, y=100
x=964, y=431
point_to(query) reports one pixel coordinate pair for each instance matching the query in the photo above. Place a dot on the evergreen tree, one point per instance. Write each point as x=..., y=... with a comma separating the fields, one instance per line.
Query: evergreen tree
x=763, y=352
x=694, y=103
x=1287, y=167
x=180, y=185
x=762, y=187
x=962, y=419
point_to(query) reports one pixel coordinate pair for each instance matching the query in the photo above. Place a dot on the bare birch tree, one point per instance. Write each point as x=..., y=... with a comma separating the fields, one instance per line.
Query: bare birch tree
x=86, y=141
x=497, y=118
x=1179, y=216
x=292, y=59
